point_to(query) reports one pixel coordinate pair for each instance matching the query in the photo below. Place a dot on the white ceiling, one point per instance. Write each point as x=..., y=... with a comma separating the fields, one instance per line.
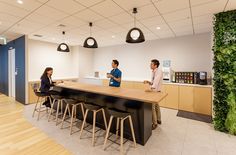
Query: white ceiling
x=111, y=18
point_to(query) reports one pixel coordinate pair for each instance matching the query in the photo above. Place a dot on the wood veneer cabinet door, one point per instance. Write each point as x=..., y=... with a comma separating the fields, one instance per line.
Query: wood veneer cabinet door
x=203, y=100
x=172, y=99
x=127, y=84
x=186, y=98
x=105, y=82
x=163, y=102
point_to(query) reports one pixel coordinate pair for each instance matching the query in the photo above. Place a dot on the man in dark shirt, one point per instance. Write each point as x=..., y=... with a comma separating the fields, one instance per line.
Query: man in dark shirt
x=115, y=75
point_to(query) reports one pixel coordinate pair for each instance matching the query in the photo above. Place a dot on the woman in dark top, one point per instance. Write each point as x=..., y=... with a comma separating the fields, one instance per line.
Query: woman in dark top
x=47, y=84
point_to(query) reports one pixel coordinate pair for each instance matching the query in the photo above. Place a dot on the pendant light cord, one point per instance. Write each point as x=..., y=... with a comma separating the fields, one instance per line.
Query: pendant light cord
x=135, y=20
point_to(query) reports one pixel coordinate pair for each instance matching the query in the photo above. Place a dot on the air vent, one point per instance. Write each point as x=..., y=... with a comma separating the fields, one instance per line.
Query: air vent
x=38, y=35
x=61, y=25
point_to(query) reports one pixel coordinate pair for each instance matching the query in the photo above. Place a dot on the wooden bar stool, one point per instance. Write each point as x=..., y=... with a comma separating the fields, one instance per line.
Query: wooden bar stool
x=58, y=100
x=41, y=98
x=121, y=117
x=95, y=109
x=72, y=111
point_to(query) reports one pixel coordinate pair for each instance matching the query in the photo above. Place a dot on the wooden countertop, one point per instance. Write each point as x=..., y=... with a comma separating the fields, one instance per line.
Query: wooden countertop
x=132, y=94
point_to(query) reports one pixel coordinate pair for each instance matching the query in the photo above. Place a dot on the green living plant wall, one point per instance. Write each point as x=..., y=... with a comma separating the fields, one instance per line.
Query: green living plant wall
x=225, y=72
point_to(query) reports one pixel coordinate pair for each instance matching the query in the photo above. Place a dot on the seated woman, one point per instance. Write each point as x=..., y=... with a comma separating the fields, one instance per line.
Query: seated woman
x=47, y=84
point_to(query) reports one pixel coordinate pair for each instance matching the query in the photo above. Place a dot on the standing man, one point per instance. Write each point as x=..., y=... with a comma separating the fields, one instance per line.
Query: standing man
x=114, y=75
x=155, y=85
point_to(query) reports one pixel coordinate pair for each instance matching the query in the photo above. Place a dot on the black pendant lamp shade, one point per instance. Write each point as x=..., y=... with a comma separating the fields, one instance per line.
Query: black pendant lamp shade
x=90, y=42
x=135, y=35
x=63, y=47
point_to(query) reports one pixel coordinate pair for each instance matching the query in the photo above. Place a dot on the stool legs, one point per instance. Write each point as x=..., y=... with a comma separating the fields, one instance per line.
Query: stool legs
x=94, y=122
x=35, y=108
x=107, y=133
x=60, y=104
x=38, y=105
x=122, y=136
x=94, y=126
x=50, y=113
x=64, y=116
x=117, y=126
x=121, y=122
x=83, y=124
x=132, y=130
x=74, y=112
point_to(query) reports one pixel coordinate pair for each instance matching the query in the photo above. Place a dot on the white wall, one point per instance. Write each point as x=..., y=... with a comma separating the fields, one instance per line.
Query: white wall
x=188, y=53
x=86, y=62
x=44, y=54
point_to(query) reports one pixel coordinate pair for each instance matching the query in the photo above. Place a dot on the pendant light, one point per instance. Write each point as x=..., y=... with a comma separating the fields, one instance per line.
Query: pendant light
x=135, y=35
x=63, y=47
x=90, y=42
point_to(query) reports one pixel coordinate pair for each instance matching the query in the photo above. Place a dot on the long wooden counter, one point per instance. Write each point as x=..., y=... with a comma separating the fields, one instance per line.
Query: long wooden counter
x=136, y=102
x=132, y=94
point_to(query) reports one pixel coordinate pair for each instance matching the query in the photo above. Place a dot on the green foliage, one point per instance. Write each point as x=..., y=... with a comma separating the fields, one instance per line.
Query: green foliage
x=225, y=71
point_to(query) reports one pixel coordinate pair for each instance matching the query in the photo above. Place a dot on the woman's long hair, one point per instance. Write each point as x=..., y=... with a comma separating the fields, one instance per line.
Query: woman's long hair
x=45, y=72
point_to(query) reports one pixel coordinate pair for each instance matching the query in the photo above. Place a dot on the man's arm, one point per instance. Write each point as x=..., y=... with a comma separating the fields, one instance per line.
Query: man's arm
x=118, y=79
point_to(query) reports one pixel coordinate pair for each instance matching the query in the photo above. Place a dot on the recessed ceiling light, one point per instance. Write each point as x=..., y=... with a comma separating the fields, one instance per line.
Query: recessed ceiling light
x=158, y=28
x=20, y=1
x=113, y=36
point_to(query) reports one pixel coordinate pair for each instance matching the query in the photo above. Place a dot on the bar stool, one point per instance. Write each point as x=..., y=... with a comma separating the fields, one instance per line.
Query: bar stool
x=121, y=117
x=58, y=99
x=95, y=109
x=40, y=98
x=72, y=111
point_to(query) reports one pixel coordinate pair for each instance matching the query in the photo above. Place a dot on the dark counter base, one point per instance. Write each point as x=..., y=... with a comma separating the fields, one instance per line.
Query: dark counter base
x=141, y=113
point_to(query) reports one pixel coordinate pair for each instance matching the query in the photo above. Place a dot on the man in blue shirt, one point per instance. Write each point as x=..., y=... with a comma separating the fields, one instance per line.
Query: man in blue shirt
x=115, y=75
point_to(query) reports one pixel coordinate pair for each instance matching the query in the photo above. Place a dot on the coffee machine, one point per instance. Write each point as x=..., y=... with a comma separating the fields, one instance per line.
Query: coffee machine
x=202, y=78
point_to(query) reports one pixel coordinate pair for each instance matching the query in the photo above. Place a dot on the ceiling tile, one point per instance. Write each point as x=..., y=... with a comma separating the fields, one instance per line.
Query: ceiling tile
x=157, y=20
x=122, y=18
x=214, y=7
x=177, y=15
x=28, y=5
x=167, y=6
x=105, y=23
x=51, y=12
x=146, y=12
x=107, y=8
x=165, y=34
x=231, y=5
x=150, y=36
x=7, y=8
x=69, y=7
x=201, y=2
x=88, y=16
x=89, y=3
x=34, y=17
x=26, y=27
x=116, y=29
x=130, y=4
x=180, y=23
x=8, y=17
x=73, y=20
x=163, y=27
x=203, y=19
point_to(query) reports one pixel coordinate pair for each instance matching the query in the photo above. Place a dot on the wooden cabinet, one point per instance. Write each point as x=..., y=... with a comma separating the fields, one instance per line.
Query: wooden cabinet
x=127, y=84
x=203, y=100
x=195, y=99
x=172, y=100
x=186, y=98
x=192, y=98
